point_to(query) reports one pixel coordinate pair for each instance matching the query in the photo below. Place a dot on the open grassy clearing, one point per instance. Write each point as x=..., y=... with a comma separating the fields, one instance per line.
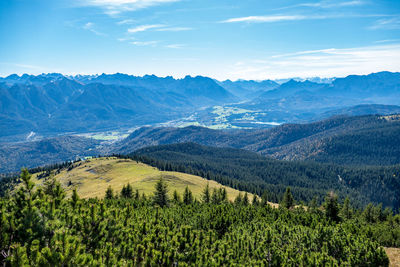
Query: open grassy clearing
x=394, y=256
x=92, y=177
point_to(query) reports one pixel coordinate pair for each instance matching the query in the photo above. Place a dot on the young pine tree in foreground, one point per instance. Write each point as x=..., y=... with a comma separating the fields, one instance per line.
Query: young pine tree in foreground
x=206, y=194
x=109, y=193
x=187, y=196
x=161, y=194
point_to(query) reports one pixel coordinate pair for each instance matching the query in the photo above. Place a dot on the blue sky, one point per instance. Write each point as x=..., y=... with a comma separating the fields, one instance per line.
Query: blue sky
x=254, y=39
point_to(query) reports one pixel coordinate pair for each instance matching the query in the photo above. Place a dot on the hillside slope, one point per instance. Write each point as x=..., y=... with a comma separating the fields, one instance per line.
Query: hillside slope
x=47, y=151
x=92, y=177
x=255, y=173
x=357, y=140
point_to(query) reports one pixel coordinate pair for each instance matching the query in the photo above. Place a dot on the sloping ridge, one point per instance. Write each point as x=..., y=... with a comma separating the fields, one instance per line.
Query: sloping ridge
x=340, y=139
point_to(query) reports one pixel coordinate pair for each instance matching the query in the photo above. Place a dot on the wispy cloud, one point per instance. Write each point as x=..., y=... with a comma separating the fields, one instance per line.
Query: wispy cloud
x=175, y=46
x=126, y=21
x=157, y=27
x=386, y=24
x=142, y=28
x=174, y=29
x=127, y=38
x=145, y=43
x=273, y=18
x=387, y=41
x=323, y=62
x=278, y=18
x=91, y=27
x=326, y=4
x=114, y=7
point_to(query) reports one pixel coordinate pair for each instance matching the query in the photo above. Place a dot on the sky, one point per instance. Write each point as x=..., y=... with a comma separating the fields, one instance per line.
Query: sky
x=253, y=39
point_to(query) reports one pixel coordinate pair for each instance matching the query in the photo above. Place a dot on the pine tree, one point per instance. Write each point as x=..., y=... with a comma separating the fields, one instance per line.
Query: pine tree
x=288, y=200
x=223, y=196
x=368, y=213
x=74, y=198
x=238, y=200
x=127, y=191
x=378, y=212
x=215, y=197
x=26, y=181
x=137, y=195
x=187, y=196
x=313, y=205
x=264, y=198
x=255, y=201
x=332, y=207
x=49, y=185
x=176, y=197
x=206, y=194
x=109, y=193
x=161, y=194
x=245, y=200
x=346, y=212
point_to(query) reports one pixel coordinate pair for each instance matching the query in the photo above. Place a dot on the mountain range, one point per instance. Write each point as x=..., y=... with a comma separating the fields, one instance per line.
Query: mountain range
x=52, y=104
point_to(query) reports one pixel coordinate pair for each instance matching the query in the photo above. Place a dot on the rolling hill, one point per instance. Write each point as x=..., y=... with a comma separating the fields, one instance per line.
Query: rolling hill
x=47, y=151
x=252, y=172
x=357, y=140
x=92, y=177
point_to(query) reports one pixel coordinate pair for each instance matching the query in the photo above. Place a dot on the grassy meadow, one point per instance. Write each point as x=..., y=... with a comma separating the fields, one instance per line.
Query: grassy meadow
x=92, y=177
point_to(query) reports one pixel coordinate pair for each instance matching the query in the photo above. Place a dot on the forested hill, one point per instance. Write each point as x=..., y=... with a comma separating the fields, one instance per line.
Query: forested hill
x=44, y=152
x=252, y=172
x=357, y=140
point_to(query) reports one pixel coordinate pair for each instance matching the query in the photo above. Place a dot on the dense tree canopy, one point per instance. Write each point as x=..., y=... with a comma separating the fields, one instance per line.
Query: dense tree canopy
x=40, y=227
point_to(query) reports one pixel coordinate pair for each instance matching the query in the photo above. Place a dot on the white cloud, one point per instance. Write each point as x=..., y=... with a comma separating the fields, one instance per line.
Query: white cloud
x=278, y=18
x=273, y=18
x=326, y=4
x=114, y=7
x=175, y=46
x=123, y=39
x=323, y=62
x=387, y=24
x=126, y=21
x=145, y=43
x=142, y=28
x=91, y=27
x=174, y=29
x=387, y=41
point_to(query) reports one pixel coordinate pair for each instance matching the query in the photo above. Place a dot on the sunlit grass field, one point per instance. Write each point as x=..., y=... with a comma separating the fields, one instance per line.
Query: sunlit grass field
x=394, y=256
x=92, y=177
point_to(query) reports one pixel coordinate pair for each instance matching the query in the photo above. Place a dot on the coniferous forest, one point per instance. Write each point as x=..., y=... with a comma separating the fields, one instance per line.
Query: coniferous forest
x=41, y=227
x=249, y=171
